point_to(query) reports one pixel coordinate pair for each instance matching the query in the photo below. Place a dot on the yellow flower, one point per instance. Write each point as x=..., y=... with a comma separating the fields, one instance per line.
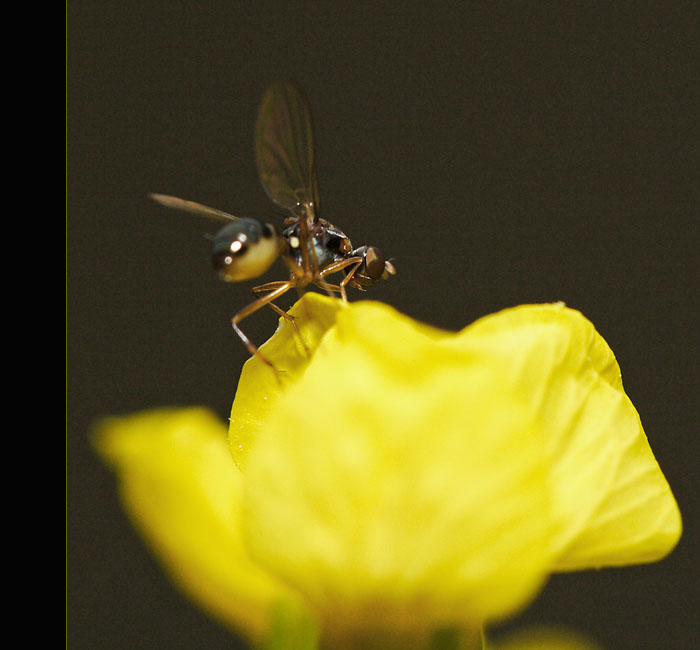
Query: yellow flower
x=398, y=479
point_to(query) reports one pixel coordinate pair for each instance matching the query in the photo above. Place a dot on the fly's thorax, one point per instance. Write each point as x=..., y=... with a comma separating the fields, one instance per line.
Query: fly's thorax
x=245, y=249
x=327, y=243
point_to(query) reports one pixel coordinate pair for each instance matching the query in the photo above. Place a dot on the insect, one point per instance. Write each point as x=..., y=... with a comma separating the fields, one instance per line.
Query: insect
x=312, y=248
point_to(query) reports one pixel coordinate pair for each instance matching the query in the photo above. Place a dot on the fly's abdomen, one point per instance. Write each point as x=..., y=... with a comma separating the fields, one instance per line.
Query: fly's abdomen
x=245, y=249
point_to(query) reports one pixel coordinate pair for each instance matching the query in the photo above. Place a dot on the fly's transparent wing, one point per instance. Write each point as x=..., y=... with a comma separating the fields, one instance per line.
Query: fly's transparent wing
x=284, y=149
x=191, y=206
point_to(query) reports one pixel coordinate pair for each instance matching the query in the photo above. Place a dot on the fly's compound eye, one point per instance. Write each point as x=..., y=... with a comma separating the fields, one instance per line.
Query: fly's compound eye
x=245, y=249
x=374, y=266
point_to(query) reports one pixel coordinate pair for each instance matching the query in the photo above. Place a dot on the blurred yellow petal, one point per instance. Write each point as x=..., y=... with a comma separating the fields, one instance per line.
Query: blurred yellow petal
x=182, y=491
x=401, y=475
x=394, y=482
x=613, y=501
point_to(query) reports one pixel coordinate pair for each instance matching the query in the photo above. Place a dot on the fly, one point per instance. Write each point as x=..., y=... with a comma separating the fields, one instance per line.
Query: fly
x=312, y=248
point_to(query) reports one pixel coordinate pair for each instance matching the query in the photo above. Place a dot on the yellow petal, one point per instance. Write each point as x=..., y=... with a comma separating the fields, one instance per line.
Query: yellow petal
x=291, y=348
x=183, y=492
x=396, y=482
x=608, y=491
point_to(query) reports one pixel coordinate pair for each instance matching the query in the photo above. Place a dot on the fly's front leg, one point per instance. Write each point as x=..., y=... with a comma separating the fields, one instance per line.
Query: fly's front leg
x=334, y=267
x=281, y=288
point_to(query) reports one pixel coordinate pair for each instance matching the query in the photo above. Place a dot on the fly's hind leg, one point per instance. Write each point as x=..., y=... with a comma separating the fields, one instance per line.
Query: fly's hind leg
x=279, y=289
x=273, y=286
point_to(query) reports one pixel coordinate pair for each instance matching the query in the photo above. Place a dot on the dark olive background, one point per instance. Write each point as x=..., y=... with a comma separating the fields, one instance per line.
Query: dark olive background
x=500, y=153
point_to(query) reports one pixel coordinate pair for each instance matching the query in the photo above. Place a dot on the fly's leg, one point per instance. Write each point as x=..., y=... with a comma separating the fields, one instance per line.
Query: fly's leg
x=273, y=286
x=334, y=267
x=282, y=288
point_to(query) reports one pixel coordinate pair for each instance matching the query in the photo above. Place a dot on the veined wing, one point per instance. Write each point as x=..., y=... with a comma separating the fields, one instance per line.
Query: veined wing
x=284, y=149
x=191, y=206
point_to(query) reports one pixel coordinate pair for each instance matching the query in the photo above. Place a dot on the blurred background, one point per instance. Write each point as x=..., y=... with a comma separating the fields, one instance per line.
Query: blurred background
x=500, y=153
